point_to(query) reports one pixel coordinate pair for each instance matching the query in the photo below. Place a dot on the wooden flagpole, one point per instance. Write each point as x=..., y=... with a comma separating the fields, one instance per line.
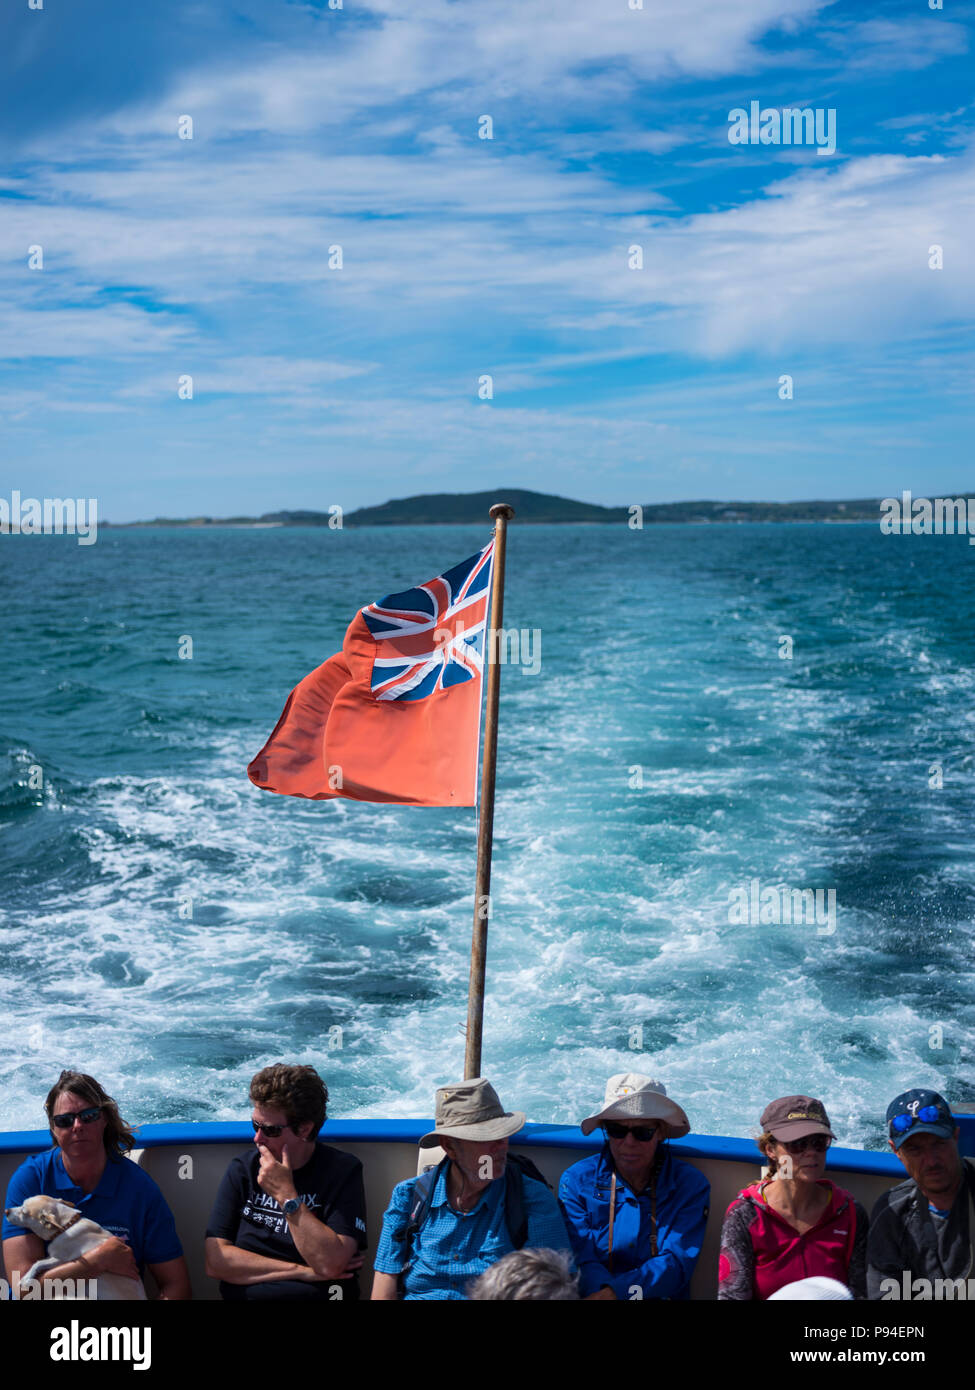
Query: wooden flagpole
x=501, y=513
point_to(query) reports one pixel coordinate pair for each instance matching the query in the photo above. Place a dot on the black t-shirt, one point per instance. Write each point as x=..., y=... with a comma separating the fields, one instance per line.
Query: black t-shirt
x=330, y=1185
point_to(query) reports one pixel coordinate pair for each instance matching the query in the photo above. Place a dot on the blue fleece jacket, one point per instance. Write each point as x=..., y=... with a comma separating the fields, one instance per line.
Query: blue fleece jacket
x=682, y=1200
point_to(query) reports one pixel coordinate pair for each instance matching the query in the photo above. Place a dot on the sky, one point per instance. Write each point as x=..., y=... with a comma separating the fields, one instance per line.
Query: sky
x=468, y=264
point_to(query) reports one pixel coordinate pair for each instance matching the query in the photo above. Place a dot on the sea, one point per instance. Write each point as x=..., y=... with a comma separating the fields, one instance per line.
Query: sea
x=733, y=841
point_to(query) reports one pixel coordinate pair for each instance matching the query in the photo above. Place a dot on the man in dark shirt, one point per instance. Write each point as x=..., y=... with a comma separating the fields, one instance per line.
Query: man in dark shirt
x=921, y=1232
x=289, y=1219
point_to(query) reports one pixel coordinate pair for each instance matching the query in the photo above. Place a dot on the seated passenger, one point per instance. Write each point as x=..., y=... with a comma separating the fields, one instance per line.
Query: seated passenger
x=635, y=1214
x=527, y=1276
x=794, y=1223
x=450, y=1224
x=289, y=1218
x=924, y=1227
x=88, y=1168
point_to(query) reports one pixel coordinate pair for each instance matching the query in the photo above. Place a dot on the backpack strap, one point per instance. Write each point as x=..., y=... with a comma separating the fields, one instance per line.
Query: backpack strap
x=422, y=1199
x=515, y=1216
x=516, y=1170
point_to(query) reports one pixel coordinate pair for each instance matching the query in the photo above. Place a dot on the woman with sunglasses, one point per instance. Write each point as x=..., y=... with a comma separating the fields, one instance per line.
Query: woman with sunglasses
x=289, y=1219
x=88, y=1168
x=635, y=1214
x=794, y=1223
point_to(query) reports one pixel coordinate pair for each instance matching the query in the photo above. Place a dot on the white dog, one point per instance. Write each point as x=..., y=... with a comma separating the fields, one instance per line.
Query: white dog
x=69, y=1234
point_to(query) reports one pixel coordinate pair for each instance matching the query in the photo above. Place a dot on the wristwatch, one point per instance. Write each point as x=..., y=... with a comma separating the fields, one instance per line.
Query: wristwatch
x=290, y=1206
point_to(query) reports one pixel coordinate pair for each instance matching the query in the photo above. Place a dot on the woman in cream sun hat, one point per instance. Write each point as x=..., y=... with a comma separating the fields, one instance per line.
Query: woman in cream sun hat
x=635, y=1214
x=632, y=1097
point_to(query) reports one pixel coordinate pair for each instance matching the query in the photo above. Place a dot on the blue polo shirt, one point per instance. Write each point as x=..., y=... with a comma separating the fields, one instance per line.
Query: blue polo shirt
x=453, y=1247
x=126, y=1202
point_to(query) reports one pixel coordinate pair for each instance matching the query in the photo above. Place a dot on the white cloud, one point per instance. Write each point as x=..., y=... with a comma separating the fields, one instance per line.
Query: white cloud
x=227, y=240
x=826, y=255
x=903, y=44
x=290, y=380
x=463, y=55
x=115, y=330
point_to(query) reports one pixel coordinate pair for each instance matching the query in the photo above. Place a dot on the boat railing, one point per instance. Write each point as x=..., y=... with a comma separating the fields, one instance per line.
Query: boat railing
x=188, y=1161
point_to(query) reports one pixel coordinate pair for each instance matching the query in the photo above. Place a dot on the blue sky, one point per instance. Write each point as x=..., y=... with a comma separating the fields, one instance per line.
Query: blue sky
x=463, y=256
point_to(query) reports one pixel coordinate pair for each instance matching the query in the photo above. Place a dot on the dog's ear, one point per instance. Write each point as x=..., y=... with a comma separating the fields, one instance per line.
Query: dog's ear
x=65, y=1203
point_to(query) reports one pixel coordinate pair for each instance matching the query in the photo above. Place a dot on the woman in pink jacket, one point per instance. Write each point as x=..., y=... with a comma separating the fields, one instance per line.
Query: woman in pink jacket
x=795, y=1222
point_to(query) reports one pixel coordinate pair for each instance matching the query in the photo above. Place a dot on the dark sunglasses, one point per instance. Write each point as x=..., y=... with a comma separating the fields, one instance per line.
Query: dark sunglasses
x=819, y=1143
x=272, y=1131
x=87, y=1117
x=926, y=1116
x=641, y=1133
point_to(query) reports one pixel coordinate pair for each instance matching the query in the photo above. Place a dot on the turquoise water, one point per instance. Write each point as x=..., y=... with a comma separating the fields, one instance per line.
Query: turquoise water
x=170, y=928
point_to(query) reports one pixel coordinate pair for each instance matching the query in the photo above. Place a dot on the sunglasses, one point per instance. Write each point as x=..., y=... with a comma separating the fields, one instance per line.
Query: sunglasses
x=819, y=1143
x=87, y=1117
x=272, y=1131
x=641, y=1133
x=926, y=1116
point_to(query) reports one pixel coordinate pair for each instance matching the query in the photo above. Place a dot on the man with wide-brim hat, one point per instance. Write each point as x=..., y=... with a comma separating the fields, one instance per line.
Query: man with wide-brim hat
x=444, y=1228
x=471, y=1110
x=635, y=1214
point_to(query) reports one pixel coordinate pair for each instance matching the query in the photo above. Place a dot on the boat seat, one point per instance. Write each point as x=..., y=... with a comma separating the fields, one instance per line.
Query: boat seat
x=428, y=1158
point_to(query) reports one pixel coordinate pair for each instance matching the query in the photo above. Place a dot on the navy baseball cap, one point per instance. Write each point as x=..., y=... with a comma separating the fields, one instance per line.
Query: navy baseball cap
x=919, y=1112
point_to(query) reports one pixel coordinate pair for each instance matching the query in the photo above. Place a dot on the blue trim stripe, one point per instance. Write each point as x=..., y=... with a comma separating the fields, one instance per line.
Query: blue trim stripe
x=409, y=1131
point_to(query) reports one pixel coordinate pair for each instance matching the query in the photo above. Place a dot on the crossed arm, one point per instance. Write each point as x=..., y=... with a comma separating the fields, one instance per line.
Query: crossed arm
x=112, y=1256
x=327, y=1255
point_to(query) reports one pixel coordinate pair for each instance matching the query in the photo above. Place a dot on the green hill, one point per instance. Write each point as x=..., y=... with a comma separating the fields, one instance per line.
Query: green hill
x=451, y=508
x=458, y=508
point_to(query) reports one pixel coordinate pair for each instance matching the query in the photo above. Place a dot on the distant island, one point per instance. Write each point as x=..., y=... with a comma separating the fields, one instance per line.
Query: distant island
x=537, y=508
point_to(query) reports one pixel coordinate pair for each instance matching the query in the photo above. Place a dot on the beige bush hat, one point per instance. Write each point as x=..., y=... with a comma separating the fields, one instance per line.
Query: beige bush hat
x=471, y=1110
x=632, y=1097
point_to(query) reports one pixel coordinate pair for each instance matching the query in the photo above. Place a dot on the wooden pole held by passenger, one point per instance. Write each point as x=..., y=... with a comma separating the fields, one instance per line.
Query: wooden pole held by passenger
x=501, y=513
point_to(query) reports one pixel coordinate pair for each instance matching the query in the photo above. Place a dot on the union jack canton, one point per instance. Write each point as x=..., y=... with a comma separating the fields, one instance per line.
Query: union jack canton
x=431, y=637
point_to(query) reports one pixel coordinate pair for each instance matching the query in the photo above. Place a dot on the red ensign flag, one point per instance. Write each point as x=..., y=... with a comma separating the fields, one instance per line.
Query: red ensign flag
x=395, y=715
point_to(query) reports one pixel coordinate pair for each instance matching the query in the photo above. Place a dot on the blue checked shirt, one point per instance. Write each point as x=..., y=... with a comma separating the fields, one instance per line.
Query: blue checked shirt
x=452, y=1247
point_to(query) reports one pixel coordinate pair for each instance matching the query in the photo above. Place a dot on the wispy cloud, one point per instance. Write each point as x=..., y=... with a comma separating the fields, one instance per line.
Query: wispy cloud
x=290, y=381
x=906, y=44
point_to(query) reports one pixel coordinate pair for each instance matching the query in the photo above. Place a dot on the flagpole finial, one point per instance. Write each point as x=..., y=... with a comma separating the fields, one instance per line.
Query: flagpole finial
x=504, y=509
